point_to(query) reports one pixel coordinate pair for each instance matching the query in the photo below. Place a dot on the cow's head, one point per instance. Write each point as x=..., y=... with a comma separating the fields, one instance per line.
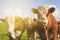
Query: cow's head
x=42, y=11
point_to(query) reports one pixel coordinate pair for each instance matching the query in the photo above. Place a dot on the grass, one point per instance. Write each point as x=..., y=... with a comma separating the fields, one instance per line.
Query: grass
x=3, y=32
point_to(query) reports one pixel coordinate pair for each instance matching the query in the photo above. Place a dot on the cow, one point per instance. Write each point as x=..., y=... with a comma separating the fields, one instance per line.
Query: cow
x=15, y=27
x=31, y=28
x=58, y=29
x=47, y=24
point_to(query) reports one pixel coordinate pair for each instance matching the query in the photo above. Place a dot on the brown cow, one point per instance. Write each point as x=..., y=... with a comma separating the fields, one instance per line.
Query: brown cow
x=52, y=25
x=47, y=25
x=31, y=28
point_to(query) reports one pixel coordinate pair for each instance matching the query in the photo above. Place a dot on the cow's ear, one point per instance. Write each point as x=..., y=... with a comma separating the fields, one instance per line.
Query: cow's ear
x=34, y=10
x=51, y=10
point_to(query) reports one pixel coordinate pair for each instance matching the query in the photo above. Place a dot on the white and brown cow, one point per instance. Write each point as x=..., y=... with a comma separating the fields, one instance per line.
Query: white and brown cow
x=16, y=27
x=47, y=25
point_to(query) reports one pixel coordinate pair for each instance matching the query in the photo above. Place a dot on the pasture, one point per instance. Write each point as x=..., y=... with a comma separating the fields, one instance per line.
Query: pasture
x=3, y=33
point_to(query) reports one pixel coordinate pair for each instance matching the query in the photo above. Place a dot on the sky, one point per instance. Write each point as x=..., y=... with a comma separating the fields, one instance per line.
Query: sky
x=22, y=8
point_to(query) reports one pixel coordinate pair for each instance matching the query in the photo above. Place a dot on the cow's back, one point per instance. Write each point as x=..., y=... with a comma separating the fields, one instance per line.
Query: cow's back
x=19, y=24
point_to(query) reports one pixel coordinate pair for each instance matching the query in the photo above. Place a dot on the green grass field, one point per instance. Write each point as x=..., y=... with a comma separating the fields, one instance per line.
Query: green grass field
x=3, y=33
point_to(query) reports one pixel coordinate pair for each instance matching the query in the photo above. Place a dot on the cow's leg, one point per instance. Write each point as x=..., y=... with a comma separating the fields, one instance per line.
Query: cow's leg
x=33, y=36
x=18, y=35
x=58, y=36
x=46, y=33
x=18, y=38
x=10, y=38
x=54, y=35
x=29, y=35
x=50, y=36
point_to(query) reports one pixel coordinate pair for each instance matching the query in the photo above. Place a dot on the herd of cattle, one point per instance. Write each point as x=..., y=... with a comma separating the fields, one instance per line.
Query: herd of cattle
x=46, y=25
